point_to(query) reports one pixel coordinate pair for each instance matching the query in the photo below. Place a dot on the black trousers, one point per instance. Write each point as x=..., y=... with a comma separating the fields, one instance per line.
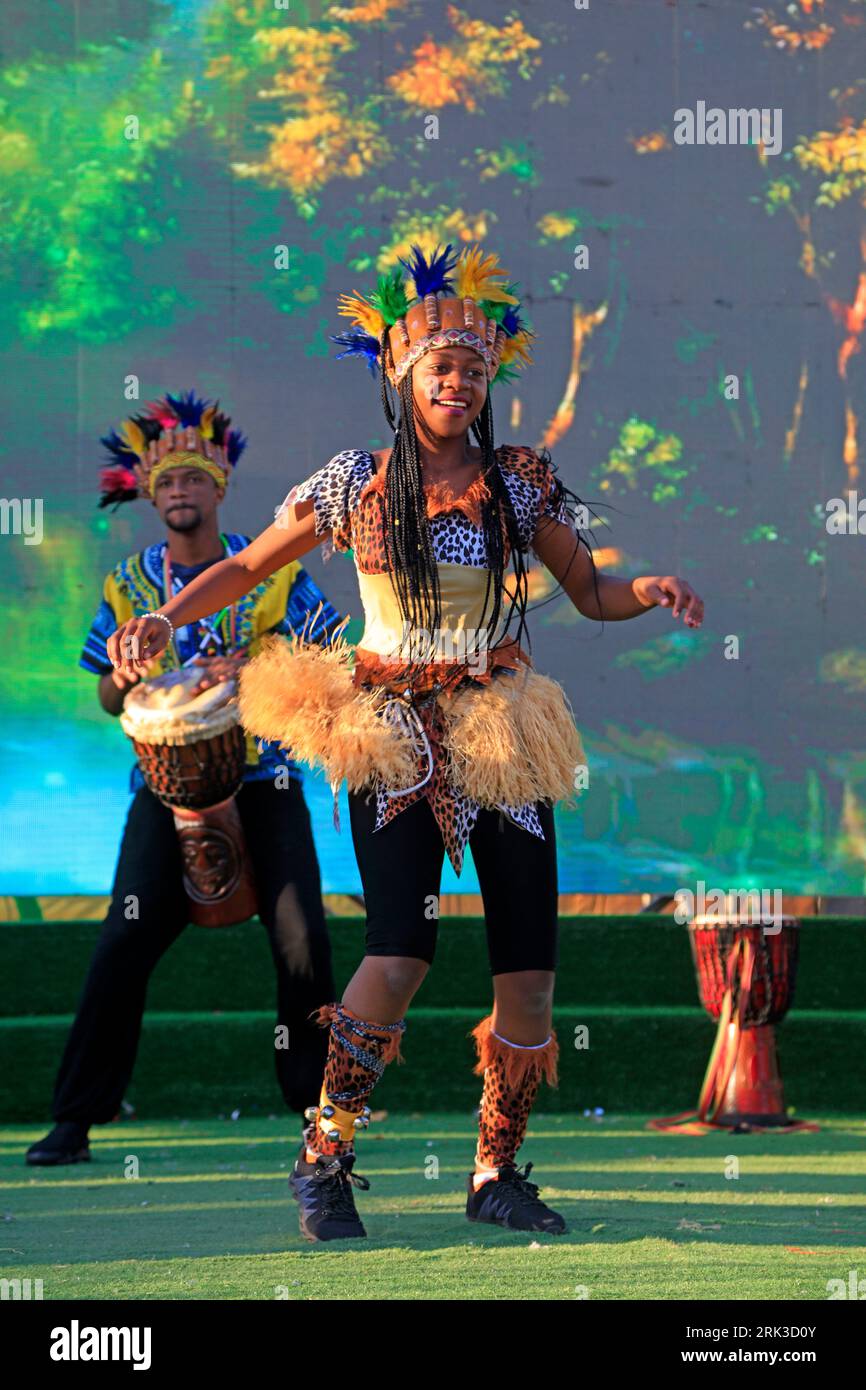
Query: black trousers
x=101, y=1048
x=401, y=871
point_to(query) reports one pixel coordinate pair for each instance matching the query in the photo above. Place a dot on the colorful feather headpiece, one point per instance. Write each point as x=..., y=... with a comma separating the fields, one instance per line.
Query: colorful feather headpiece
x=460, y=302
x=172, y=431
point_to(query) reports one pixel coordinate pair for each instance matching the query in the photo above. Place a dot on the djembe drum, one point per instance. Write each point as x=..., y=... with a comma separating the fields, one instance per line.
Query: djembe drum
x=192, y=752
x=746, y=973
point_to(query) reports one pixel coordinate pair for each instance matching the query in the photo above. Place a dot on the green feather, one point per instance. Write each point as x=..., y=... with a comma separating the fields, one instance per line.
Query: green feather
x=492, y=309
x=390, y=297
x=504, y=375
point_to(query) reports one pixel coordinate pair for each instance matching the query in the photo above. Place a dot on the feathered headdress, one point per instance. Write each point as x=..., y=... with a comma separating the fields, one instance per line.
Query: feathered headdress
x=173, y=430
x=460, y=302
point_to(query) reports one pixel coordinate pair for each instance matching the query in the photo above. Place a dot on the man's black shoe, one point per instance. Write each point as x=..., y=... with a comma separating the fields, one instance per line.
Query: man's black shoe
x=67, y=1143
x=512, y=1201
x=323, y=1191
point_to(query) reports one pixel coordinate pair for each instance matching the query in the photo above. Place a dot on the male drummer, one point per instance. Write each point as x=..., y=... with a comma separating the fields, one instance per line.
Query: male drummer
x=180, y=454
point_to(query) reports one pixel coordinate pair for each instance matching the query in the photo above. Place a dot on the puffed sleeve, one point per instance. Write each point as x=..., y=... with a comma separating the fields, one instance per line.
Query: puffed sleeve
x=537, y=495
x=333, y=492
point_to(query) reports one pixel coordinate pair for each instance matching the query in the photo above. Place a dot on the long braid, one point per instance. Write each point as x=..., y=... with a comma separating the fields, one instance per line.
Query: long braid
x=385, y=358
x=501, y=535
x=409, y=544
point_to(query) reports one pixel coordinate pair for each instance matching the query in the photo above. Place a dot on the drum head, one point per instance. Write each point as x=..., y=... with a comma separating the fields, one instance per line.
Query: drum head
x=168, y=709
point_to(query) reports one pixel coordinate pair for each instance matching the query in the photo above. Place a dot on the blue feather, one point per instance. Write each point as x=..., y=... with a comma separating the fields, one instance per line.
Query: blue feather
x=235, y=445
x=358, y=344
x=118, y=447
x=512, y=322
x=432, y=276
x=188, y=407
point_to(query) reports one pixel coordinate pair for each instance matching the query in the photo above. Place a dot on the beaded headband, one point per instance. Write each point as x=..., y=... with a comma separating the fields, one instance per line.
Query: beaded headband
x=175, y=431
x=474, y=309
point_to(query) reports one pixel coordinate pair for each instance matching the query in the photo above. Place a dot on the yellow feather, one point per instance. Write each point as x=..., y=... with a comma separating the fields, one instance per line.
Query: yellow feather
x=206, y=425
x=362, y=312
x=518, y=346
x=131, y=432
x=474, y=278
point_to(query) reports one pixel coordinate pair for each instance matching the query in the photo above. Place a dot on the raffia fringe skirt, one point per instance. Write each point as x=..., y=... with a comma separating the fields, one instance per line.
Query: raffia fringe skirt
x=508, y=742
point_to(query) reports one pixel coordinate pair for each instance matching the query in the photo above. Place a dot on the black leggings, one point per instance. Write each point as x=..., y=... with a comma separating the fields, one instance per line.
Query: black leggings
x=401, y=871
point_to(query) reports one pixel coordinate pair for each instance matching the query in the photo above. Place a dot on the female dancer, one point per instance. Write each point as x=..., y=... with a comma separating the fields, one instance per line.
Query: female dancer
x=443, y=732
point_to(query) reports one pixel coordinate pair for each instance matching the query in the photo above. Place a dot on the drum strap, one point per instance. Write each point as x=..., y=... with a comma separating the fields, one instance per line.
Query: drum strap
x=723, y=1057
x=210, y=627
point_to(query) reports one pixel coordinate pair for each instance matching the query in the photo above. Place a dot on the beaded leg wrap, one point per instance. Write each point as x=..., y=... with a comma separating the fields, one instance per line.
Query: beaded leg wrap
x=358, y=1052
x=512, y=1075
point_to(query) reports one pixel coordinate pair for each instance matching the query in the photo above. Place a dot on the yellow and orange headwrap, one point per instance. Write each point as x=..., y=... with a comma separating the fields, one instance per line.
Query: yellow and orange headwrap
x=186, y=458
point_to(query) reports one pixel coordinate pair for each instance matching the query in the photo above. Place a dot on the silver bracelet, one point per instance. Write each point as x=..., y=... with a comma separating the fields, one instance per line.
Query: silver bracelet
x=164, y=619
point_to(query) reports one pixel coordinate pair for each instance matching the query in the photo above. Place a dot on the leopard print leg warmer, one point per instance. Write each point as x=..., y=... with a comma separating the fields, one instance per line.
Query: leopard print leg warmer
x=358, y=1052
x=511, y=1079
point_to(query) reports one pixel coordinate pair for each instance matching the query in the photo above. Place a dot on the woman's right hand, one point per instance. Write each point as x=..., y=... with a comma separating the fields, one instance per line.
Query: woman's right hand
x=133, y=646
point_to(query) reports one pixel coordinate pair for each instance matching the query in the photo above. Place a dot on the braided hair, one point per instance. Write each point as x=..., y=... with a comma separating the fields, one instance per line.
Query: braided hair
x=408, y=540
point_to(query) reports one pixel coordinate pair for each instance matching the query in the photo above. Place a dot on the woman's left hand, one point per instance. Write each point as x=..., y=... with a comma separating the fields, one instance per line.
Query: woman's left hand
x=667, y=591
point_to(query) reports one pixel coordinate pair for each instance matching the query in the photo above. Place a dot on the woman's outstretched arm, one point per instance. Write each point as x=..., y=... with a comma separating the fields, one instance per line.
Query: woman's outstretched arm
x=291, y=535
x=556, y=546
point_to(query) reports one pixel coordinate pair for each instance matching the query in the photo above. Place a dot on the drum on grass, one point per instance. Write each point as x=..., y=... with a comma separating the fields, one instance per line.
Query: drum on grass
x=746, y=972
x=192, y=751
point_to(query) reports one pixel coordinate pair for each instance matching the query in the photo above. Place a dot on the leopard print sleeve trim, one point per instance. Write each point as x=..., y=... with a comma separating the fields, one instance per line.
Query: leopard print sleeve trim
x=525, y=476
x=537, y=493
x=553, y=500
x=334, y=490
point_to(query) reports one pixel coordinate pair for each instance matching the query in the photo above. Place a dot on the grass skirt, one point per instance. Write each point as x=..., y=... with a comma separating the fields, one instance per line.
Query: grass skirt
x=509, y=741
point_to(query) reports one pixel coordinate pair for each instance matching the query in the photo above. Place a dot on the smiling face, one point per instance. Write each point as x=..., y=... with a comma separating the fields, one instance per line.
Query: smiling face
x=449, y=391
x=186, y=497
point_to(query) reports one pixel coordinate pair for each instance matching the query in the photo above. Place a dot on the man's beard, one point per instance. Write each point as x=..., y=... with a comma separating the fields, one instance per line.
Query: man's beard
x=192, y=519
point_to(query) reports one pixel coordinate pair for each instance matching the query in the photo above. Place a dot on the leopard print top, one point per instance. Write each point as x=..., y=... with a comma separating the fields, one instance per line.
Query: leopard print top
x=348, y=518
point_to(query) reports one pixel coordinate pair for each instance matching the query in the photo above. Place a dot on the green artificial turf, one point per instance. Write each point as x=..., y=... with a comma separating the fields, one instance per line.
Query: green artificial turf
x=651, y=1216
x=602, y=960
x=206, y=1065
x=630, y=980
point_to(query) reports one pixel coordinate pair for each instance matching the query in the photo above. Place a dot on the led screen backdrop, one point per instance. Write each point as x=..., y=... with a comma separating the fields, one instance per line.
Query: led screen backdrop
x=188, y=187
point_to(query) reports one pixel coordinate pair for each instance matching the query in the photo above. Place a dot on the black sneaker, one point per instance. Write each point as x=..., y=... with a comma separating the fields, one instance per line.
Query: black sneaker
x=324, y=1191
x=512, y=1201
x=67, y=1143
